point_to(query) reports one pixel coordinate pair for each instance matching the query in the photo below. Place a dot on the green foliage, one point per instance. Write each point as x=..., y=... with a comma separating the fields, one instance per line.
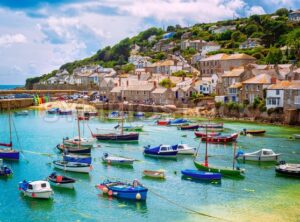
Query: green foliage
x=30, y=81
x=282, y=12
x=237, y=36
x=250, y=29
x=196, y=97
x=127, y=68
x=274, y=56
x=167, y=83
x=171, y=28
x=224, y=36
x=182, y=73
x=218, y=105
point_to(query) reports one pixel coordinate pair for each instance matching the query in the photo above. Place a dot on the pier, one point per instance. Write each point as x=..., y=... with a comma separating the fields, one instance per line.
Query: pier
x=37, y=92
x=15, y=103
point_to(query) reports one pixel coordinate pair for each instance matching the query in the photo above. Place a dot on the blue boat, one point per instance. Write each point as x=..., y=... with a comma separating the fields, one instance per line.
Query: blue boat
x=77, y=158
x=139, y=114
x=201, y=175
x=53, y=111
x=162, y=151
x=64, y=113
x=5, y=170
x=134, y=191
x=177, y=122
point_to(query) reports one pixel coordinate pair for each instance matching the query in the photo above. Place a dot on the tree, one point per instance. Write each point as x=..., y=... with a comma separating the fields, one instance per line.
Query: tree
x=224, y=35
x=127, y=68
x=282, y=12
x=274, y=56
x=170, y=28
x=293, y=40
x=251, y=29
x=238, y=36
x=167, y=83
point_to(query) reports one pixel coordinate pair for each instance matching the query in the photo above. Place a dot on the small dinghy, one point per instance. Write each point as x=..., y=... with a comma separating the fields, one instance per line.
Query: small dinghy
x=203, y=134
x=77, y=158
x=188, y=127
x=72, y=166
x=53, y=111
x=65, y=112
x=163, y=122
x=61, y=181
x=297, y=136
x=201, y=175
x=162, y=151
x=89, y=114
x=134, y=191
x=22, y=113
x=221, y=139
x=158, y=174
x=73, y=149
x=288, y=169
x=115, y=160
x=212, y=125
x=84, y=142
x=83, y=117
x=178, y=122
x=263, y=155
x=253, y=132
x=5, y=171
x=36, y=189
x=139, y=114
x=185, y=149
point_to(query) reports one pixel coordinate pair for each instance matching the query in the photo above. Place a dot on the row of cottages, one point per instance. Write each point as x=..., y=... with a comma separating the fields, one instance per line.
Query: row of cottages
x=284, y=94
x=217, y=64
x=166, y=67
x=199, y=45
x=139, y=61
x=250, y=43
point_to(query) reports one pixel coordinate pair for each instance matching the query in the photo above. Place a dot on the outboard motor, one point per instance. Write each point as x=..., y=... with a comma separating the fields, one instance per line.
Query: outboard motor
x=105, y=155
x=239, y=153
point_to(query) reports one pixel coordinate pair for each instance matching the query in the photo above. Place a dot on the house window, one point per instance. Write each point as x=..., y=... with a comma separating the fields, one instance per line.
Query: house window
x=257, y=88
x=277, y=91
x=246, y=87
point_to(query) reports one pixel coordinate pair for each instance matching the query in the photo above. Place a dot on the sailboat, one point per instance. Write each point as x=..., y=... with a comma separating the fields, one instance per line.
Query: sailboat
x=118, y=137
x=8, y=152
x=230, y=172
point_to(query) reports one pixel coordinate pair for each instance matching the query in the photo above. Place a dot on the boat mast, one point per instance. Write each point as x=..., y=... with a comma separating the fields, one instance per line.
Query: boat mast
x=122, y=120
x=206, y=156
x=9, y=123
x=78, y=126
x=234, y=151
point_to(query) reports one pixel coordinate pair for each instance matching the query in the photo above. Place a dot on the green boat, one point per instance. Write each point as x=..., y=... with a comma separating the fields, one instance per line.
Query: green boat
x=133, y=128
x=224, y=171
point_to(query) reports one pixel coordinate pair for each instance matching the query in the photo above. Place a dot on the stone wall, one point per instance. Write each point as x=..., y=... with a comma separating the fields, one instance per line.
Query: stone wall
x=66, y=87
x=15, y=103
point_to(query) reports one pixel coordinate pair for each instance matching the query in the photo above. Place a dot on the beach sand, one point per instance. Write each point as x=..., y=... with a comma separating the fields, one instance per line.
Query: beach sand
x=64, y=106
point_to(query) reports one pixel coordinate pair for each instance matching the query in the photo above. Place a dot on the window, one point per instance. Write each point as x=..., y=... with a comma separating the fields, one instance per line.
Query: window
x=30, y=187
x=277, y=91
x=43, y=185
x=257, y=87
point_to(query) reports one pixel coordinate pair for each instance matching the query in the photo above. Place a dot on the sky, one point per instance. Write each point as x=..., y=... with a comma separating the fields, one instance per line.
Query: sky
x=37, y=37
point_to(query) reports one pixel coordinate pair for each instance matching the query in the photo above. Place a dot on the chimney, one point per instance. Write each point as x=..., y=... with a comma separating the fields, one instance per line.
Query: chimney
x=127, y=83
x=276, y=69
x=193, y=82
x=183, y=78
x=120, y=82
x=273, y=80
x=154, y=84
x=139, y=76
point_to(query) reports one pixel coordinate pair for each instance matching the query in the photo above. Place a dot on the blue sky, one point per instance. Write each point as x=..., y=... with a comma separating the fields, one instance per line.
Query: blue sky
x=39, y=36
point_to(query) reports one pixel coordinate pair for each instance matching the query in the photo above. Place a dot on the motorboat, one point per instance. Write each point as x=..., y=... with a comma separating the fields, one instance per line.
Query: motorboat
x=72, y=166
x=61, y=181
x=162, y=151
x=115, y=160
x=288, y=169
x=185, y=149
x=36, y=189
x=262, y=155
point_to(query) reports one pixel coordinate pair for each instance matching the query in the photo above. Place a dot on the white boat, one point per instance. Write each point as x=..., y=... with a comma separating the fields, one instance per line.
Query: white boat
x=72, y=166
x=116, y=160
x=36, y=189
x=263, y=155
x=185, y=149
x=297, y=136
x=79, y=141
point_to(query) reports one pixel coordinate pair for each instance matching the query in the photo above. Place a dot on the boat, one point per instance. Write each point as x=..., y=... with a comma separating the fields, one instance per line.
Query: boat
x=178, y=122
x=22, y=113
x=188, y=127
x=158, y=174
x=115, y=160
x=89, y=114
x=163, y=122
x=36, y=189
x=162, y=151
x=72, y=166
x=61, y=181
x=7, y=152
x=288, y=169
x=201, y=175
x=185, y=149
x=139, y=114
x=83, y=117
x=134, y=191
x=263, y=155
x=65, y=112
x=5, y=170
x=114, y=115
x=235, y=171
x=203, y=134
x=154, y=117
x=77, y=158
x=297, y=136
x=211, y=125
x=133, y=128
x=221, y=139
x=252, y=132
x=78, y=141
x=73, y=149
x=53, y=111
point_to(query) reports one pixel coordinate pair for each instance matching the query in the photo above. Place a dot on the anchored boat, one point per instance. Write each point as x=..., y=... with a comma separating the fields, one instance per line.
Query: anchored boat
x=263, y=155
x=288, y=169
x=221, y=139
x=77, y=158
x=158, y=174
x=36, y=189
x=74, y=149
x=188, y=127
x=253, y=132
x=201, y=175
x=203, y=134
x=5, y=170
x=212, y=126
x=72, y=166
x=115, y=160
x=185, y=149
x=162, y=151
x=134, y=191
x=61, y=181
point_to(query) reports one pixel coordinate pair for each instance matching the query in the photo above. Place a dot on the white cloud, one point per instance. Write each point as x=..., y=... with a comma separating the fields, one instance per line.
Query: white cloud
x=255, y=10
x=9, y=39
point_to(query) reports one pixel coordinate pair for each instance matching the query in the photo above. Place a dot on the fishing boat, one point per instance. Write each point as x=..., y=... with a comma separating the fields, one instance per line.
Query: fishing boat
x=212, y=125
x=263, y=155
x=83, y=118
x=161, y=151
x=65, y=112
x=73, y=149
x=158, y=174
x=163, y=122
x=134, y=191
x=89, y=114
x=5, y=170
x=288, y=169
x=115, y=160
x=133, y=128
x=36, y=189
x=7, y=151
x=185, y=149
x=61, y=181
x=231, y=172
x=221, y=139
x=72, y=166
x=253, y=132
x=83, y=142
x=188, y=127
x=297, y=136
x=178, y=122
x=77, y=158
x=117, y=137
x=139, y=114
x=203, y=134
x=53, y=111
x=201, y=175
x=22, y=113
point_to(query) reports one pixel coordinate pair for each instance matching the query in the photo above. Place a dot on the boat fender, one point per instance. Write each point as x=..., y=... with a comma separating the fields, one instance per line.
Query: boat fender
x=110, y=193
x=104, y=190
x=33, y=194
x=138, y=196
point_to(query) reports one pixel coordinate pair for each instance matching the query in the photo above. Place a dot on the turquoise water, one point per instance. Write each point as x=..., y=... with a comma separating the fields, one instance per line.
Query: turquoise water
x=6, y=87
x=260, y=194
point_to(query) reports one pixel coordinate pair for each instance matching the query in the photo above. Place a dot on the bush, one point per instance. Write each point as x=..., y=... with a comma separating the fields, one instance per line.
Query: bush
x=218, y=105
x=167, y=83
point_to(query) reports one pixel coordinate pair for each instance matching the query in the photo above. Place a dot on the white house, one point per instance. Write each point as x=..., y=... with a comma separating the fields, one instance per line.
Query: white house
x=139, y=61
x=275, y=94
x=209, y=47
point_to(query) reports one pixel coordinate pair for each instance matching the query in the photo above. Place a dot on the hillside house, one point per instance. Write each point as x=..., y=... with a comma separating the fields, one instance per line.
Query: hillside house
x=294, y=16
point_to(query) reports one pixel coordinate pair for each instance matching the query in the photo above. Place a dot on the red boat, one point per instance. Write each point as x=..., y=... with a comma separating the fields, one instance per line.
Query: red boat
x=221, y=139
x=203, y=134
x=83, y=117
x=163, y=122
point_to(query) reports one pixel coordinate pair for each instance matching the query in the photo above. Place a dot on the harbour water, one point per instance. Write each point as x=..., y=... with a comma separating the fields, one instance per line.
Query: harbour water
x=260, y=196
x=8, y=87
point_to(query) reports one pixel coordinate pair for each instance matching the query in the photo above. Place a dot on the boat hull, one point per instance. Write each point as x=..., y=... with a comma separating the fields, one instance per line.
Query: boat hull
x=78, y=159
x=220, y=139
x=223, y=171
x=9, y=154
x=76, y=150
x=118, y=137
x=289, y=170
x=192, y=127
x=70, y=168
x=38, y=195
x=201, y=175
x=117, y=162
x=154, y=174
x=62, y=185
x=190, y=151
x=258, y=158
